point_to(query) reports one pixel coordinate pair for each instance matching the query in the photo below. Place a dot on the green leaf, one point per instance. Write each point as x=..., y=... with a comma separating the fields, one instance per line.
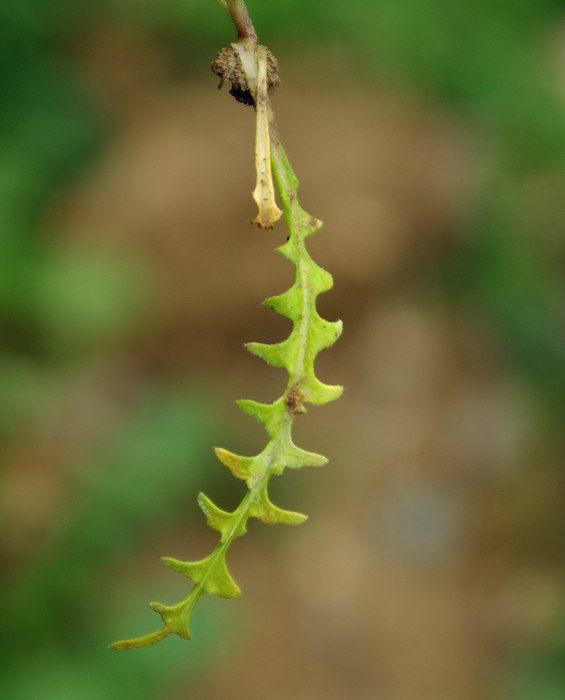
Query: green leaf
x=263, y=509
x=287, y=304
x=309, y=335
x=240, y=467
x=223, y=522
x=295, y=458
x=211, y=573
x=270, y=415
x=276, y=354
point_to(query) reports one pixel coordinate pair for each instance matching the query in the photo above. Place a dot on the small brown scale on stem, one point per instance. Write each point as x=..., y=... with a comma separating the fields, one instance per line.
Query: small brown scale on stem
x=294, y=400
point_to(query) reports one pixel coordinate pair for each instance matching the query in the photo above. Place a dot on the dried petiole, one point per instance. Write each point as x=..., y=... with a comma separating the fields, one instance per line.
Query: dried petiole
x=264, y=192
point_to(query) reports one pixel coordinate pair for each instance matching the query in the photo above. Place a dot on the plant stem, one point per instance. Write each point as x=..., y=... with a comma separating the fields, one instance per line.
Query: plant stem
x=240, y=16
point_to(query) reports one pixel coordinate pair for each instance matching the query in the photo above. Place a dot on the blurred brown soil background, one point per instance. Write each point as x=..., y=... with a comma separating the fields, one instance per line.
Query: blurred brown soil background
x=415, y=577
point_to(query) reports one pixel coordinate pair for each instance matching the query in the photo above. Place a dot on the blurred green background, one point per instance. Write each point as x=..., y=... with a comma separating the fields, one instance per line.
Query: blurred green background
x=430, y=137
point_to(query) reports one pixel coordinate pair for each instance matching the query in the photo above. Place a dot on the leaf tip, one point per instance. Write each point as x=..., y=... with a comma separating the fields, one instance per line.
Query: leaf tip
x=238, y=465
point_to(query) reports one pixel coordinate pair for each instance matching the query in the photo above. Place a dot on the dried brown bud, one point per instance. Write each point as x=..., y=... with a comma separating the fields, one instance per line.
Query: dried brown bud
x=228, y=66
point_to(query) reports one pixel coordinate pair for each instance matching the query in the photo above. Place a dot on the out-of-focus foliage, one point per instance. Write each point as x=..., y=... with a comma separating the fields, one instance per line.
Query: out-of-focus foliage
x=540, y=674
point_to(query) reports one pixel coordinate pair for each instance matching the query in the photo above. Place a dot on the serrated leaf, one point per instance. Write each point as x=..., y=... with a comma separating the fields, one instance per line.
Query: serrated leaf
x=268, y=414
x=320, y=393
x=287, y=304
x=312, y=225
x=275, y=354
x=240, y=467
x=309, y=335
x=220, y=520
x=288, y=250
x=211, y=573
x=169, y=614
x=266, y=511
x=295, y=458
x=327, y=332
x=319, y=279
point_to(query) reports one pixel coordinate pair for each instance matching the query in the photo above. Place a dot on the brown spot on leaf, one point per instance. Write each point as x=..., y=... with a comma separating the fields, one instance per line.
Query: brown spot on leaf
x=295, y=401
